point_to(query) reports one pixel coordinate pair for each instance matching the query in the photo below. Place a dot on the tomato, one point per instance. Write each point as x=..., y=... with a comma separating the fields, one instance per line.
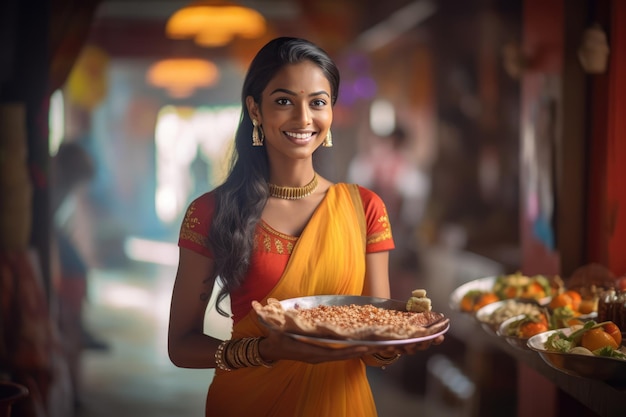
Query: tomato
x=484, y=299
x=561, y=300
x=597, y=338
x=612, y=329
x=588, y=306
x=576, y=299
x=467, y=303
x=534, y=290
x=475, y=299
x=531, y=328
x=510, y=292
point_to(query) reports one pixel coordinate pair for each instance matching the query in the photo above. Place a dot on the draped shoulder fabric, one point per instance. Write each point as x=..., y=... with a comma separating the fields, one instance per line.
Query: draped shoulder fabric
x=328, y=258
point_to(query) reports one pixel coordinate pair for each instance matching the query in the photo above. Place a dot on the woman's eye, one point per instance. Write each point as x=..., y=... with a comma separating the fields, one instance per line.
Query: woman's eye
x=283, y=101
x=318, y=103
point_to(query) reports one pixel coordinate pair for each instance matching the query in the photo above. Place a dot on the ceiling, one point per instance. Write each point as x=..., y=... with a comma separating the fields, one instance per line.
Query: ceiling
x=135, y=28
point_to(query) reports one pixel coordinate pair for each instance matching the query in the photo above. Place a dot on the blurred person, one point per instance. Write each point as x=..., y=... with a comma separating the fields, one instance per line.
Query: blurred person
x=276, y=229
x=72, y=168
x=388, y=170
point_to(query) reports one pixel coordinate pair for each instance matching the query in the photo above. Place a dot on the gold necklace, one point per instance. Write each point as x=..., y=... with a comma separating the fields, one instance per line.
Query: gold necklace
x=293, y=193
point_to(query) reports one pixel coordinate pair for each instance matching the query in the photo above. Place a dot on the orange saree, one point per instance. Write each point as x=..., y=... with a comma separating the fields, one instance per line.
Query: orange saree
x=328, y=258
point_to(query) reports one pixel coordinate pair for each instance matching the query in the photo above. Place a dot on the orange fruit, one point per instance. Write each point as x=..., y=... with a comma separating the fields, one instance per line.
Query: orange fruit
x=484, y=299
x=597, y=338
x=561, y=300
x=576, y=299
x=587, y=306
x=612, y=329
x=534, y=290
x=531, y=328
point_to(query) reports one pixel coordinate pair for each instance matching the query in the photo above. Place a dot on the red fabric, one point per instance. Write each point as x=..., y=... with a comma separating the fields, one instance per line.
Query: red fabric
x=268, y=263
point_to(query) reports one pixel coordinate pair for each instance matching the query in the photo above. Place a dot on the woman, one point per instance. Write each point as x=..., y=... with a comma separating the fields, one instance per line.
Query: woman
x=276, y=229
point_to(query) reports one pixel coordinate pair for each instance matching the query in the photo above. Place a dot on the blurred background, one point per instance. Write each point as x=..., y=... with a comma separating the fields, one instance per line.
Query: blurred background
x=155, y=104
x=116, y=114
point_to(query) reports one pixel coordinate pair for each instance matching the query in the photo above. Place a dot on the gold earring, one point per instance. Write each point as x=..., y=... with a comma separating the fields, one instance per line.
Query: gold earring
x=257, y=134
x=328, y=141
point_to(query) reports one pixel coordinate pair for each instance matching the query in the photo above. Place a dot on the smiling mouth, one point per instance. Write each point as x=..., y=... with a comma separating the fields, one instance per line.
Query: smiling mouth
x=299, y=135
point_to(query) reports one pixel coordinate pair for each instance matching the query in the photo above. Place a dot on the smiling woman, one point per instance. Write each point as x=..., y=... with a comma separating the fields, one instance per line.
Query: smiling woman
x=277, y=229
x=295, y=113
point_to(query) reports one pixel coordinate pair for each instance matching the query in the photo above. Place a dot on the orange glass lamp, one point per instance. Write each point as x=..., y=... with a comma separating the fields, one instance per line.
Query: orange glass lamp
x=215, y=23
x=182, y=76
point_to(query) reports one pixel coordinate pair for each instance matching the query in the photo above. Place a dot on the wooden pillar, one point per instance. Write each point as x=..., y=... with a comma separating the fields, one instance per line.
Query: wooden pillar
x=25, y=83
x=606, y=218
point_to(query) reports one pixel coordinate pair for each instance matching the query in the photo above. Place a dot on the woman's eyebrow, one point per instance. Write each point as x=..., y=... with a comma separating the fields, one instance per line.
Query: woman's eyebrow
x=285, y=91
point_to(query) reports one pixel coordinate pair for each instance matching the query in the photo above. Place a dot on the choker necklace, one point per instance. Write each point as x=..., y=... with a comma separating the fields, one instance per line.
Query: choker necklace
x=293, y=193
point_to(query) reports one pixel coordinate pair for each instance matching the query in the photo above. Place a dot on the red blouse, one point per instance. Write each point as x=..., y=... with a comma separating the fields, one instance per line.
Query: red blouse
x=273, y=248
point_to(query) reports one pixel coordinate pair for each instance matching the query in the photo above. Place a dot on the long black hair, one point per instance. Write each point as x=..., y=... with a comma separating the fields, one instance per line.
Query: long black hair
x=240, y=200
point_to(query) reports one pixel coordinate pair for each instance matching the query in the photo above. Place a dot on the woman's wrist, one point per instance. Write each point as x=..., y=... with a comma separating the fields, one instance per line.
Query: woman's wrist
x=258, y=356
x=265, y=350
x=240, y=353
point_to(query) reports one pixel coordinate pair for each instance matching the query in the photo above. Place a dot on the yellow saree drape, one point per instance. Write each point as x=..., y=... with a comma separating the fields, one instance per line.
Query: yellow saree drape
x=329, y=258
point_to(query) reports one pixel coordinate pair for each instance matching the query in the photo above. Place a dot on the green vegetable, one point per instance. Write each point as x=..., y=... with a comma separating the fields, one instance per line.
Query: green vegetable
x=577, y=336
x=609, y=352
x=560, y=316
x=559, y=342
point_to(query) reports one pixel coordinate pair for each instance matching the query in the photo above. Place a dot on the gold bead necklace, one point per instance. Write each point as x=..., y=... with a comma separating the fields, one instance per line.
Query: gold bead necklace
x=293, y=193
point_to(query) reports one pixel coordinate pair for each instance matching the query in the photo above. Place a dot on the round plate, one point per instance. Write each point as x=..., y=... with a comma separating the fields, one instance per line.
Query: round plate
x=485, y=284
x=610, y=370
x=485, y=314
x=481, y=284
x=518, y=342
x=338, y=344
x=338, y=300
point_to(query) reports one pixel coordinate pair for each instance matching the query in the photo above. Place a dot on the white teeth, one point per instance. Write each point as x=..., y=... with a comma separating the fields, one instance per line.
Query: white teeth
x=299, y=135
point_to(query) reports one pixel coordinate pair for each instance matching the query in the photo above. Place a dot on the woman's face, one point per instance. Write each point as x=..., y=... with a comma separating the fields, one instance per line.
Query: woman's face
x=296, y=111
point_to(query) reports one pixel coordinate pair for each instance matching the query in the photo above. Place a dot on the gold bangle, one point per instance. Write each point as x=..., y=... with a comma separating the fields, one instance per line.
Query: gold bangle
x=234, y=354
x=244, y=348
x=257, y=354
x=240, y=353
x=385, y=360
x=220, y=361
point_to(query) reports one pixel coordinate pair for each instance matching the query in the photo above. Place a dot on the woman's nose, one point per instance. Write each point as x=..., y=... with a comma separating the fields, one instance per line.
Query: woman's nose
x=303, y=114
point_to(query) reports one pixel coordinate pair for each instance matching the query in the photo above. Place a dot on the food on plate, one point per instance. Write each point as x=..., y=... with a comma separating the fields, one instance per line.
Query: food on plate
x=568, y=298
x=419, y=293
x=597, y=338
x=474, y=300
x=564, y=317
x=588, y=305
x=518, y=285
x=615, y=332
x=601, y=339
x=508, y=309
x=527, y=326
x=505, y=287
x=351, y=322
x=418, y=302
